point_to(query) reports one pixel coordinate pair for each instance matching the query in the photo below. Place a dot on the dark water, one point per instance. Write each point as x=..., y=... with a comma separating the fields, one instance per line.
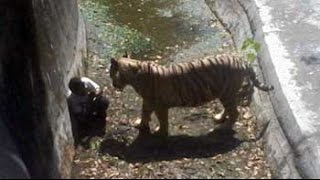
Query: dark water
x=163, y=29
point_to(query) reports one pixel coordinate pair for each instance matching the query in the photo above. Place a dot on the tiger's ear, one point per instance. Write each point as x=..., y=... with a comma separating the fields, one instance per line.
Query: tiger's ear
x=114, y=63
x=126, y=55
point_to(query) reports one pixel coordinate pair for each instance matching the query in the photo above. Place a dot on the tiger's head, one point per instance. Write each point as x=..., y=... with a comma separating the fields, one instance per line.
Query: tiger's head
x=123, y=72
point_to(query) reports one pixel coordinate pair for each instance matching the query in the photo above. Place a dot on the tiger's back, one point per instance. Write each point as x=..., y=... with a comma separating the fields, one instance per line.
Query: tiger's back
x=197, y=82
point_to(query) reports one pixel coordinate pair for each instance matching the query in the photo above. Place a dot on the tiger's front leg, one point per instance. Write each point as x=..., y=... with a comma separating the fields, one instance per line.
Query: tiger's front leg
x=143, y=127
x=162, y=115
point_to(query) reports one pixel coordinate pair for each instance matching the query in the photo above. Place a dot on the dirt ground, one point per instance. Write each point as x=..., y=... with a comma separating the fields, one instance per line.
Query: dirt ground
x=193, y=150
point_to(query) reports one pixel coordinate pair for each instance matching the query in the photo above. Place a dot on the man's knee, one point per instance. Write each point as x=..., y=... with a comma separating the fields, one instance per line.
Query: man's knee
x=105, y=102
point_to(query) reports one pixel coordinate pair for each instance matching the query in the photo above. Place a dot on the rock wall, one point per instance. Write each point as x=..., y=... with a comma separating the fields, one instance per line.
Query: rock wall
x=42, y=44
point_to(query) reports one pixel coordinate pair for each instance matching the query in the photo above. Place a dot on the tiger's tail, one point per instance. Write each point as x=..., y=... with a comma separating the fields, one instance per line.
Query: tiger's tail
x=257, y=83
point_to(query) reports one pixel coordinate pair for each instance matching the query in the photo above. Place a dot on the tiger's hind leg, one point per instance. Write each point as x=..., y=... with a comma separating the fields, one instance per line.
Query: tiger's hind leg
x=162, y=115
x=245, y=97
x=233, y=113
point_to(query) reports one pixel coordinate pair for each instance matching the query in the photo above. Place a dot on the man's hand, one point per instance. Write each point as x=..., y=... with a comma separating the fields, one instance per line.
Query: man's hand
x=91, y=95
x=106, y=90
x=99, y=93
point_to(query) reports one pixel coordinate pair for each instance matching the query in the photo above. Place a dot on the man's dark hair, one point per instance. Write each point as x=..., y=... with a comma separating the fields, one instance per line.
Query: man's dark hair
x=76, y=85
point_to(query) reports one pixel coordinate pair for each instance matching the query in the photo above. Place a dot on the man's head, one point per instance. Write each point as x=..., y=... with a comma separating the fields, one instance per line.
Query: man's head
x=77, y=86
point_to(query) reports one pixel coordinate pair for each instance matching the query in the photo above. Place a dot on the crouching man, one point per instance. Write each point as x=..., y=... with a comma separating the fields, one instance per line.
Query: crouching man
x=87, y=106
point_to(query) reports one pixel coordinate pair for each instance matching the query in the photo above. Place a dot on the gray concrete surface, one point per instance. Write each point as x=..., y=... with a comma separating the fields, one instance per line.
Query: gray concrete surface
x=292, y=35
x=290, y=60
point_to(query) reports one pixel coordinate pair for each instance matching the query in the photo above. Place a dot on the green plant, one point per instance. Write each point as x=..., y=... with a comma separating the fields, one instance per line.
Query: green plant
x=95, y=144
x=250, y=49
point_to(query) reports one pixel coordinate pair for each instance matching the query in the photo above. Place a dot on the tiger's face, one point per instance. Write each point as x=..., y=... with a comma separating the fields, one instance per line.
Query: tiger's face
x=122, y=72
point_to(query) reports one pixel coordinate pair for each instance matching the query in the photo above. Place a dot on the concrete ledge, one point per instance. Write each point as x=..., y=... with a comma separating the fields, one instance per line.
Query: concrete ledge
x=290, y=60
x=292, y=38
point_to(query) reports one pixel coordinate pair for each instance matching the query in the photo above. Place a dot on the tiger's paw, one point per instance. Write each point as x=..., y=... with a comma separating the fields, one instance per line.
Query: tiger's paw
x=161, y=134
x=143, y=130
x=224, y=126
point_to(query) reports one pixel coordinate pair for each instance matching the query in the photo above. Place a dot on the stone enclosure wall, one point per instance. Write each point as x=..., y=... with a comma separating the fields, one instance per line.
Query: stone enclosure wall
x=42, y=44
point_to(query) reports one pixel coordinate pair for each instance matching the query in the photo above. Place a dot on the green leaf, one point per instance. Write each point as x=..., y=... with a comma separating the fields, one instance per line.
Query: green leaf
x=247, y=43
x=250, y=49
x=257, y=47
x=251, y=57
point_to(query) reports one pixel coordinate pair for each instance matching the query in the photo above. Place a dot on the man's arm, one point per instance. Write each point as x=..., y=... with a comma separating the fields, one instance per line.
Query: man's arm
x=91, y=85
